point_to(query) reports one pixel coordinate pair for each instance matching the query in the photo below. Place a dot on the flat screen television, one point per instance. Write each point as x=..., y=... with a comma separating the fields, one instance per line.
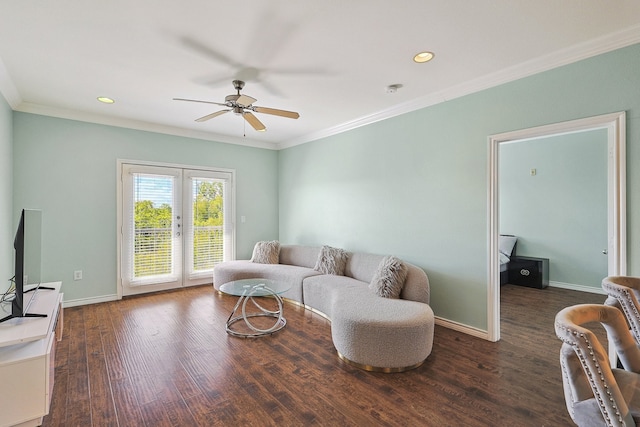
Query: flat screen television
x=27, y=244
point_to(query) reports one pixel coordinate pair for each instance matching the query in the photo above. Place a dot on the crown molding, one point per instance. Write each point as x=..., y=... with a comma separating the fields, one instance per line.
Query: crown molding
x=8, y=88
x=550, y=61
x=82, y=116
x=559, y=58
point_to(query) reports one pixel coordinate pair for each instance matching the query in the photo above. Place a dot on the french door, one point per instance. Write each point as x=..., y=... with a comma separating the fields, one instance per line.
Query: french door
x=176, y=225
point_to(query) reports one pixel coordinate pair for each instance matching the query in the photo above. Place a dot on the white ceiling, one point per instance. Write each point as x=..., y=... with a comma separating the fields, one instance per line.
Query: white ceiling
x=329, y=60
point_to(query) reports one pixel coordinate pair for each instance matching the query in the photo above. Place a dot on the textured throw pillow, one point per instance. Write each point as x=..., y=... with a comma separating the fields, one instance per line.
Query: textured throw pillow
x=331, y=261
x=389, y=277
x=266, y=252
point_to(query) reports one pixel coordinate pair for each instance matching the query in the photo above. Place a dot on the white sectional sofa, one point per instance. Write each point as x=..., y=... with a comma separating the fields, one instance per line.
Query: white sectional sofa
x=369, y=331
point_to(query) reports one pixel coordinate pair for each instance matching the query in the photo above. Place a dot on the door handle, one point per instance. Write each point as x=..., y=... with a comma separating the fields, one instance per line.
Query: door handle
x=605, y=252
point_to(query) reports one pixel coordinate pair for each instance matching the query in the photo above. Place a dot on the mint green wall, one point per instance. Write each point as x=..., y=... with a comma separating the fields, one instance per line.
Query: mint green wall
x=68, y=169
x=6, y=217
x=416, y=185
x=560, y=213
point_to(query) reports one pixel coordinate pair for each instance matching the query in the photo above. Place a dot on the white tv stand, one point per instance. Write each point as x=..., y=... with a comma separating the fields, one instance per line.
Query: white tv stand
x=27, y=360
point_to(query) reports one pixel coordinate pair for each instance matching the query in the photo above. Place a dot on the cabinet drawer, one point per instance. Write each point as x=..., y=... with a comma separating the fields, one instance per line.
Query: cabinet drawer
x=529, y=271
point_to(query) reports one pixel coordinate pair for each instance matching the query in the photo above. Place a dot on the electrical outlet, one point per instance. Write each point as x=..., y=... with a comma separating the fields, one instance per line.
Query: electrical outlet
x=77, y=275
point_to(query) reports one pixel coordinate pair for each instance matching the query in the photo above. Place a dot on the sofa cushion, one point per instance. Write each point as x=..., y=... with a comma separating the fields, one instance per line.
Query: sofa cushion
x=389, y=277
x=416, y=285
x=322, y=291
x=361, y=266
x=266, y=252
x=331, y=261
x=303, y=256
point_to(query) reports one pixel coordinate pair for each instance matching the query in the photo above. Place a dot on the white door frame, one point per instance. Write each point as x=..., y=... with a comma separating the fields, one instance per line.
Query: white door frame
x=615, y=123
x=154, y=283
x=119, y=219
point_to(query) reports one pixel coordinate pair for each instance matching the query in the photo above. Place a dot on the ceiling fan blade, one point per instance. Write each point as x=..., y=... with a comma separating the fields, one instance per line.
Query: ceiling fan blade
x=203, y=102
x=276, y=112
x=253, y=121
x=245, y=100
x=210, y=52
x=212, y=115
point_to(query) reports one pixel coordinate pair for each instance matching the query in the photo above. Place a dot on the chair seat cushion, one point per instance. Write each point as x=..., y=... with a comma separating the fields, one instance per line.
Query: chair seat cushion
x=588, y=414
x=629, y=384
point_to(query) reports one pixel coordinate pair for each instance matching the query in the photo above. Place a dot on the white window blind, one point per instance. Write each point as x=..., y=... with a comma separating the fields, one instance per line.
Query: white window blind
x=209, y=230
x=152, y=229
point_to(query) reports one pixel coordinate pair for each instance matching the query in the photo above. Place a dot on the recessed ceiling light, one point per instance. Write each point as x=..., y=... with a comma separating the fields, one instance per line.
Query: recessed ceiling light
x=106, y=100
x=423, y=57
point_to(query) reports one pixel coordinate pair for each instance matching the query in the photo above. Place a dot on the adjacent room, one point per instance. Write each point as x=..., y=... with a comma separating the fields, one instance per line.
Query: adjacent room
x=417, y=134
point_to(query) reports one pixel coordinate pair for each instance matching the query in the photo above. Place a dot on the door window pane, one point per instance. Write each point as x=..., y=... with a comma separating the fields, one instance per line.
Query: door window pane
x=208, y=223
x=153, y=225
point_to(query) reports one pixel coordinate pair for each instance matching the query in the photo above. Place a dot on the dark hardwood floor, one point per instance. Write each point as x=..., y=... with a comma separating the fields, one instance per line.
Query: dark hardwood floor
x=165, y=360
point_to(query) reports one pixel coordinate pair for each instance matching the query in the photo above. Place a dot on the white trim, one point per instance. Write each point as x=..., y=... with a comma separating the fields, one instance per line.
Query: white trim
x=581, y=288
x=588, y=49
x=615, y=123
x=92, y=300
x=460, y=327
x=174, y=278
x=84, y=116
x=493, y=292
x=8, y=88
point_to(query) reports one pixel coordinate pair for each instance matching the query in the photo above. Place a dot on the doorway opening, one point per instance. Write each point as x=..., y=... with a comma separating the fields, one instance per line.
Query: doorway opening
x=616, y=198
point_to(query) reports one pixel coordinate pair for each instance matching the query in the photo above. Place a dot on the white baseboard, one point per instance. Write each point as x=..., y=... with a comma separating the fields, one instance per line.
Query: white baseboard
x=87, y=301
x=575, y=287
x=479, y=333
x=460, y=327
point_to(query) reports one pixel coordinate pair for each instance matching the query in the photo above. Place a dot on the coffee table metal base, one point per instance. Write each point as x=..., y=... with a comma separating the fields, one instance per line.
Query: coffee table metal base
x=247, y=296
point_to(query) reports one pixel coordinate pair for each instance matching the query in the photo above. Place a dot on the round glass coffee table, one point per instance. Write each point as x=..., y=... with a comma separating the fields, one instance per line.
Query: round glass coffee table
x=248, y=290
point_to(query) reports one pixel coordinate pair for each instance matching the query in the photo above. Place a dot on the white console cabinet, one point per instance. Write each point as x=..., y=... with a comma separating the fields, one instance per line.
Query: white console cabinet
x=27, y=360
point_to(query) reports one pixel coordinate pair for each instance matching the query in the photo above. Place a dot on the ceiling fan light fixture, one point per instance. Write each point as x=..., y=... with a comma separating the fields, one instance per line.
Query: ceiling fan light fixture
x=105, y=100
x=423, y=57
x=242, y=105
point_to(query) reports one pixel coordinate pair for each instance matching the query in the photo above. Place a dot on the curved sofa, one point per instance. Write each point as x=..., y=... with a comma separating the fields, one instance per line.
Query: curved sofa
x=368, y=331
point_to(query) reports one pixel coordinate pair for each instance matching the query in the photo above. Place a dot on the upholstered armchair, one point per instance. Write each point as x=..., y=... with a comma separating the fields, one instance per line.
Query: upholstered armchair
x=596, y=394
x=624, y=292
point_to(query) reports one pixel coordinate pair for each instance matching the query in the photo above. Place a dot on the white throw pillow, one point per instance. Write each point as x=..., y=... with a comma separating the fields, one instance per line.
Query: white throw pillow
x=331, y=261
x=506, y=244
x=266, y=252
x=389, y=277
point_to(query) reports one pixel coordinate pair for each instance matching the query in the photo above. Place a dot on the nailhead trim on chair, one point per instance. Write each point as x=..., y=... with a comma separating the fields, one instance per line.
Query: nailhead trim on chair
x=619, y=294
x=583, y=361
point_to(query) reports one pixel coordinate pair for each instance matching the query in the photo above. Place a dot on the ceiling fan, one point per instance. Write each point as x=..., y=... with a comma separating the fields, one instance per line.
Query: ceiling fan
x=242, y=105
